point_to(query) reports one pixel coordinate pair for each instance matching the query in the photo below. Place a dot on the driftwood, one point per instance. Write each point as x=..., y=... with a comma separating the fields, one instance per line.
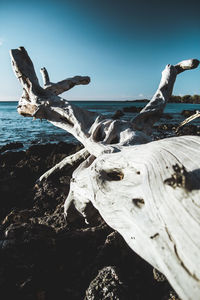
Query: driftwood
x=149, y=191
x=188, y=120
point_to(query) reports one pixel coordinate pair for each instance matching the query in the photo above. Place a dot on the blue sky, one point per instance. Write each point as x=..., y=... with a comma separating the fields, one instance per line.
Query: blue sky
x=122, y=45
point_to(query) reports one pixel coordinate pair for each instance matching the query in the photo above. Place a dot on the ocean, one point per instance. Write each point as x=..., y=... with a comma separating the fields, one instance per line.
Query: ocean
x=15, y=128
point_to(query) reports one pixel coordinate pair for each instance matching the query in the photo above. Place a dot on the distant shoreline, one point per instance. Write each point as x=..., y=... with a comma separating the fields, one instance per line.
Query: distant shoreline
x=195, y=99
x=191, y=99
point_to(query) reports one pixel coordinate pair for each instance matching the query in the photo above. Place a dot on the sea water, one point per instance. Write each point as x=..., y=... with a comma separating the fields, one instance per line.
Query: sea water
x=15, y=128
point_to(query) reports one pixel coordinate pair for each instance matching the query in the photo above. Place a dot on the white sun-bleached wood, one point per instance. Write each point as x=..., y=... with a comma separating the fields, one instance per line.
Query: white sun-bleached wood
x=188, y=120
x=159, y=221
x=148, y=191
x=69, y=160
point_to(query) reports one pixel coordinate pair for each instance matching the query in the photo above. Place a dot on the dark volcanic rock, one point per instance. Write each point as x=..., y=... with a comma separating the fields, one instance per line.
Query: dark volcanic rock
x=189, y=129
x=43, y=257
x=169, y=130
x=11, y=146
x=119, y=113
x=166, y=116
x=107, y=285
x=28, y=231
x=187, y=113
x=20, y=170
x=132, y=109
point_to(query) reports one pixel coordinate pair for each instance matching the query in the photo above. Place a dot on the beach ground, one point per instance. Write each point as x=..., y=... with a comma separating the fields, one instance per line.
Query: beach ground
x=43, y=257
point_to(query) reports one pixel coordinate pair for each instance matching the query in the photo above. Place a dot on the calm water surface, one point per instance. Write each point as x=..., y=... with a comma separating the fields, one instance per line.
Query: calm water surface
x=15, y=128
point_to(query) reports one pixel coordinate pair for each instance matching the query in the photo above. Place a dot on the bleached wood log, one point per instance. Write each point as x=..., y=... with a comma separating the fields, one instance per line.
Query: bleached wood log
x=149, y=193
x=67, y=161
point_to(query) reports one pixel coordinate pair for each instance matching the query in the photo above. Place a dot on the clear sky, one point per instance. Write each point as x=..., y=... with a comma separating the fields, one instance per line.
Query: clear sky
x=122, y=45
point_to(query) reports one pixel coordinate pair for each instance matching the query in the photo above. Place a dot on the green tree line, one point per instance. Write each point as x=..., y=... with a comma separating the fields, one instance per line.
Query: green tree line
x=185, y=99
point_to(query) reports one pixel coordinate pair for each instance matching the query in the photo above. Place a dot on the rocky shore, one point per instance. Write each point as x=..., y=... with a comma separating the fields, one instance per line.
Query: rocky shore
x=43, y=257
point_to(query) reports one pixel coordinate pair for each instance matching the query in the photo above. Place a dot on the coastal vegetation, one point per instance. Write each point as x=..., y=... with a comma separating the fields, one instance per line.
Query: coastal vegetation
x=195, y=99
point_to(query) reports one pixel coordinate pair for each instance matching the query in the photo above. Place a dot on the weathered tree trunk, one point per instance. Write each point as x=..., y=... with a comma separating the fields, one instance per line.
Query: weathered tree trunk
x=148, y=191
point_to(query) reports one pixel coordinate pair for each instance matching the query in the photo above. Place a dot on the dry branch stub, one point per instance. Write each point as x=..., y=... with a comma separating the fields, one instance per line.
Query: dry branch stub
x=148, y=191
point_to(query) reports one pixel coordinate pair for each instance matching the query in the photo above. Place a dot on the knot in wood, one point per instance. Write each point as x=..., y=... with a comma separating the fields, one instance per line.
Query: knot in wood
x=178, y=179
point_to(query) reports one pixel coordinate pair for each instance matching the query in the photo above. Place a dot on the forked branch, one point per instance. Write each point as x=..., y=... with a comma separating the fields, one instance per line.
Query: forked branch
x=96, y=133
x=152, y=112
x=64, y=85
